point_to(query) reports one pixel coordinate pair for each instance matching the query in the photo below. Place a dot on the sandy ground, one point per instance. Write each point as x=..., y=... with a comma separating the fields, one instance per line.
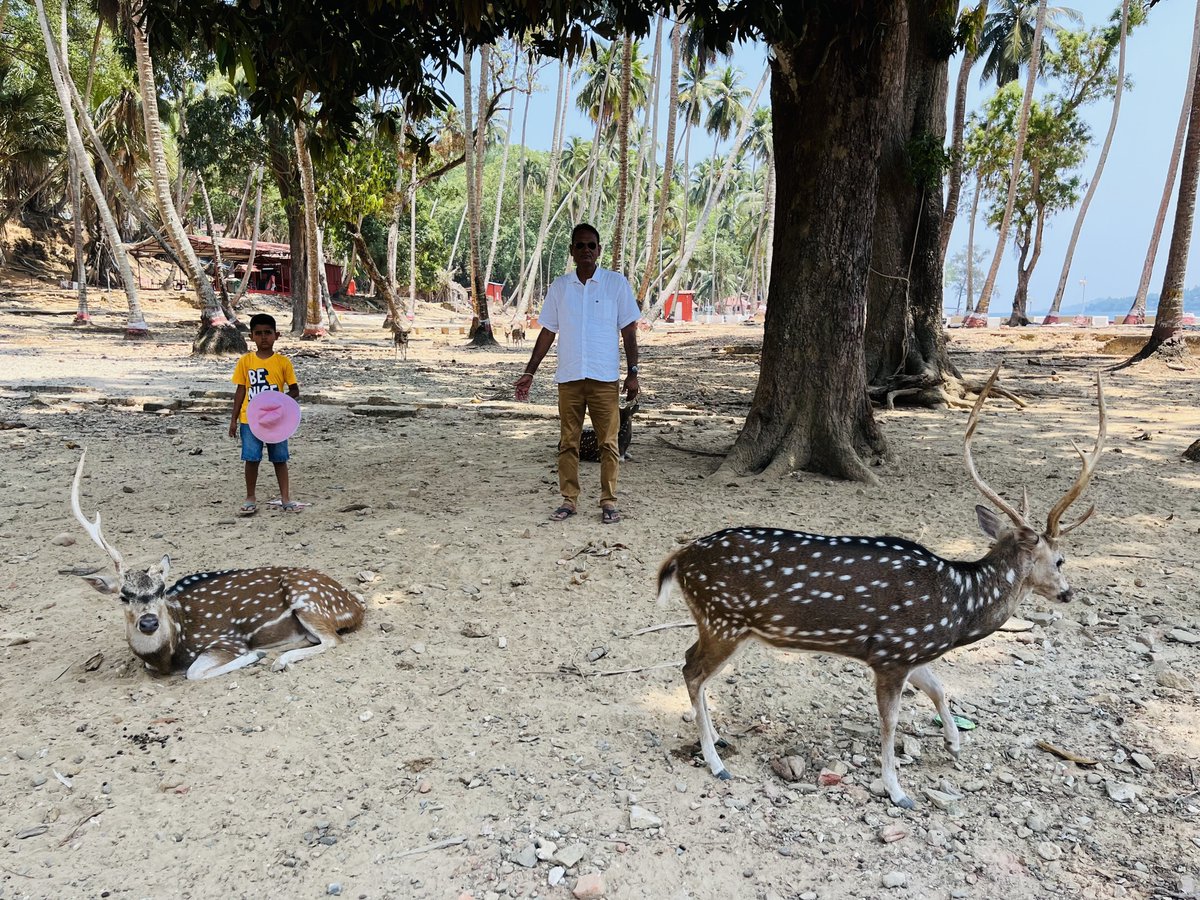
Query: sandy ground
x=485, y=710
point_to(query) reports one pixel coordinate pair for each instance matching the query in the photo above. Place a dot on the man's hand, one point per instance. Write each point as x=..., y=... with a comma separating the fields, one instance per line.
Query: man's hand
x=522, y=387
x=631, y=388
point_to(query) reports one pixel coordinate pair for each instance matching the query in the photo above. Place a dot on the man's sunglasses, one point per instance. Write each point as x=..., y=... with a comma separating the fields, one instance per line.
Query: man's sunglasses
x=585, y=245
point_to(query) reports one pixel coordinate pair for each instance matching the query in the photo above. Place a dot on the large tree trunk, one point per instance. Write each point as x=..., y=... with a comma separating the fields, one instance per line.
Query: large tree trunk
x=978, y=319
x=136, y=325
x=831, y=93
x=664, y=185
x=1168, y=321
x=905, y=337
x=1095, y=180
x=314, y=326
x=216, y=335
x=618, y=238
x=1137, y=312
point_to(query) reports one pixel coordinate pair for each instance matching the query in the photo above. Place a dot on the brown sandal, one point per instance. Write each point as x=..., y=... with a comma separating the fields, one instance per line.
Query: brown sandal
x=610, y=515
x=562, y=513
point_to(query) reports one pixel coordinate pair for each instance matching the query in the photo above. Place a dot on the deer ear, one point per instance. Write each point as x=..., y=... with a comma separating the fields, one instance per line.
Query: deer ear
x=165, y=565
x=105, y=584
x=989, y=522
x=1027, y=538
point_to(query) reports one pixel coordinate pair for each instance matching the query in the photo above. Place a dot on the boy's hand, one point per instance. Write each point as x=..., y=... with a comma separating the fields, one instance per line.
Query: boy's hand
x=233, y=429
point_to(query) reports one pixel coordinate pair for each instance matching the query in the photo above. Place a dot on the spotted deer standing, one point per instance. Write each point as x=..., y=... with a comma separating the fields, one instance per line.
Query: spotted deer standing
x=212, y=623
x=399, y=338
x=888, y=602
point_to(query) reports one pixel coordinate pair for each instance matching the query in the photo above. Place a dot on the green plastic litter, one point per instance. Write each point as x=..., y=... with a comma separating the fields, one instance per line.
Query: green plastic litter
x=962, y=722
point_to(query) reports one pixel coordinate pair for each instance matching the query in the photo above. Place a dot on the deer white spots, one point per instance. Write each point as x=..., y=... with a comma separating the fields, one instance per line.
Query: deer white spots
x=200, y=623
x=900, y=644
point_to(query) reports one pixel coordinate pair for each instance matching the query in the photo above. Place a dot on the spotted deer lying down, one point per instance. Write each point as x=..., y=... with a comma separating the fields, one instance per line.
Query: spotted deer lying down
x=212, y=623
x=891, y=603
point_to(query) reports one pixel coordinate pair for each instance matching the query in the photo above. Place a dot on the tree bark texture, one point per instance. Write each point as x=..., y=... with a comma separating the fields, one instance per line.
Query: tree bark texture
x=831, y=93
x=905, y=336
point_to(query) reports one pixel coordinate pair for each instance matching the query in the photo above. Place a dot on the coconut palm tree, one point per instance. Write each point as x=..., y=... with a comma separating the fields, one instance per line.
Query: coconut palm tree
x=654, y=243
x=1095, y=180
x=726, y=107
x=136, y=325
x=689, y=247
x=216, y=335
x=529, y=276
x=971, y=24
x=978, y=319
x=1006, y=44
x=694, y=89
x=618, y=237
x=1137, y=312
x=1168, y=321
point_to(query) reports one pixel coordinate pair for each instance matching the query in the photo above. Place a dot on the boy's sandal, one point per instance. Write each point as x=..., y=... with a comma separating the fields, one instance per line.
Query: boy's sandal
x=248, y=508
x=291, y=506
x=610, y=515
x=563, y=512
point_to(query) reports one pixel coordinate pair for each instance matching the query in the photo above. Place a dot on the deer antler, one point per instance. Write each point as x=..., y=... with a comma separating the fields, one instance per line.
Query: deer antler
x=1017, y=517
x=1053, y=527
x=93, y=528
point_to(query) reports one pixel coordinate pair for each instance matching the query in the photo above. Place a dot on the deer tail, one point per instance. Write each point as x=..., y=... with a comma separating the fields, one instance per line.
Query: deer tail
x=666, y=579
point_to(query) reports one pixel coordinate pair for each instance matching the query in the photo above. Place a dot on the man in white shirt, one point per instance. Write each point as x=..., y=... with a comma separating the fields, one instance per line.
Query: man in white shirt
x=589, y=308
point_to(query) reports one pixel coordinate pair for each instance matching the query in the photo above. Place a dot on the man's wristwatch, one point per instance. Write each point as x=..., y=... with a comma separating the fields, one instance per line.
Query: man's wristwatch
x=633, y=370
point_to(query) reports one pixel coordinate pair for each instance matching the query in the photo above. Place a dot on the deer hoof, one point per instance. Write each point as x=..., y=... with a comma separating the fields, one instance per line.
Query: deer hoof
x=905, y=803
x=279, y=666
x=722, y=743
x=953, y=750
x=724, y=775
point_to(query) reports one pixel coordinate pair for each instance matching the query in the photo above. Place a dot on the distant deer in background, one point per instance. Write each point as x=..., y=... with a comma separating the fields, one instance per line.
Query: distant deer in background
x=888, y=602
x=399, y=338
x=212, y=623
x=516, y=334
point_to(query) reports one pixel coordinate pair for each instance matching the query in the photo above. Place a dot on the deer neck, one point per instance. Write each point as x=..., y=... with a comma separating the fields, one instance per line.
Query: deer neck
x=988, y=591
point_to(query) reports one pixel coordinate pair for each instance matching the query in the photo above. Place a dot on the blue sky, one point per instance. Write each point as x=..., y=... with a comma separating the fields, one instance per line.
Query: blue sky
x=1113, y=243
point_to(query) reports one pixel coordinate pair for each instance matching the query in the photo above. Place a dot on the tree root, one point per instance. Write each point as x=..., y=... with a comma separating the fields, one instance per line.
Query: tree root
x=933, y=391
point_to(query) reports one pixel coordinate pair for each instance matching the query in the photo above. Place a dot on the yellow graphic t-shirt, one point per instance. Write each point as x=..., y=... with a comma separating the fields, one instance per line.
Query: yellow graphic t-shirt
x=275, y=373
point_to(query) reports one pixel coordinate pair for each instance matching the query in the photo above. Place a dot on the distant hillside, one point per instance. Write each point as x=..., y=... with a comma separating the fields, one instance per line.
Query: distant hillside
x=1118, y=306
x=1100, y=306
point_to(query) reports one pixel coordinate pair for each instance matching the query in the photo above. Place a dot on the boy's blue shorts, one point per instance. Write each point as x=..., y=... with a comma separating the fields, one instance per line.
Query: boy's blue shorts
x=252, y=448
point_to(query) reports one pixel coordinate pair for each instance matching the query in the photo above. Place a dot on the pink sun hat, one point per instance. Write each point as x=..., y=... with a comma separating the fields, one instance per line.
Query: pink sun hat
x=272, y=416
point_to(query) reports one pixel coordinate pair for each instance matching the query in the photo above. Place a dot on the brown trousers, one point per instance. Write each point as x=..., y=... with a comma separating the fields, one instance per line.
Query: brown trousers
x=601, y=400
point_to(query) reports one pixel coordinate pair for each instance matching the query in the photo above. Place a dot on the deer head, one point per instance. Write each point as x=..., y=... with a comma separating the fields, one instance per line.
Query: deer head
x=1039, y=561
x=143, y=592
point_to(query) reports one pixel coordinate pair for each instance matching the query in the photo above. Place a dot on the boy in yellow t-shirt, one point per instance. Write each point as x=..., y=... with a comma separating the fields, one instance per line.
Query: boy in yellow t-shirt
x=262, y=370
